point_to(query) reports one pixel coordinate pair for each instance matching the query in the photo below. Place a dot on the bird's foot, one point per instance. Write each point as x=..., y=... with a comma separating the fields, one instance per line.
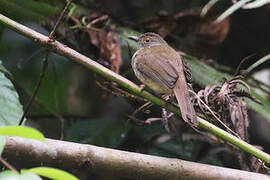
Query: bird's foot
x=141, y=87
x=164, y=119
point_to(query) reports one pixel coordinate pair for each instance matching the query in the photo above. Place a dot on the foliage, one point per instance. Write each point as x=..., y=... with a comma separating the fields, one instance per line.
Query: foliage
x=16, y=176
x=29, y=10
x=245, y=4
x=106, y=132
x=11, y=112
x=51, y=173
x=11, y=109
x=2, y=143
x=20, y=131
x=32, y=174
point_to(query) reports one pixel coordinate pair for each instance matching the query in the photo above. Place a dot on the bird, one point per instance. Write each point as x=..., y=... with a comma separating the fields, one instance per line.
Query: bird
x=161, y=68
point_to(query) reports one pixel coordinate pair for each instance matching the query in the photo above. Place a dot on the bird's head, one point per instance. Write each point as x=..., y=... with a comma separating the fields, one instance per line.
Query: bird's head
x=148, y=39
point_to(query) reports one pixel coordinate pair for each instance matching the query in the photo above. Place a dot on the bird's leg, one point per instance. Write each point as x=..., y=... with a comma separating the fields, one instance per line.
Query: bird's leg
x=165, y=119
x=165, y=115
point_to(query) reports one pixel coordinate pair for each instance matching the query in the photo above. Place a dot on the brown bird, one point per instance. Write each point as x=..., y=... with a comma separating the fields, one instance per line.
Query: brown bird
x=161, y=68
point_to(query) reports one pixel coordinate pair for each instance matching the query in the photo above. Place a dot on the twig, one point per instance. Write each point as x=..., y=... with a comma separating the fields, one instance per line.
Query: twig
x=118, y=91
x=137, y=121
x=213, y=114
x=143, y=107
x=241, y=63
x=37, y=52
x=42, y=74
x=9, y=166
x=63, y=13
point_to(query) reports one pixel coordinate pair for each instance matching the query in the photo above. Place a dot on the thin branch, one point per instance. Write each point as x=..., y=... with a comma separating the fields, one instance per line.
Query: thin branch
x=118, y=163
x=41, y=77
x=36, y=53
x=241, y=63
x=63, y=13
x=71, y=54
x=9, y=166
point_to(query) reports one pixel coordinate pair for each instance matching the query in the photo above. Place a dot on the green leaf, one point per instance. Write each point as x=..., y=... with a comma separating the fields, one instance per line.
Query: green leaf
x=3, y=69
x=205, y=75
x=231, y=10
x=259, y=62
x=208, y=6
x=149, y=131
x=211, y=159
x=124, y=33
x=106, y=132
x=22, y=131
x=10, y=108
x=77, y=9
x=2, y=144
x=9, y=175
x=29, y=176
x=256, y=4
x=29, y=10
x=13, y=175
x=51, y=173
x=172, y=148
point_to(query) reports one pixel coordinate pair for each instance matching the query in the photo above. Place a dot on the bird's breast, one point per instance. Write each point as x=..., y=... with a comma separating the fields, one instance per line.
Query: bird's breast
x=146, y=68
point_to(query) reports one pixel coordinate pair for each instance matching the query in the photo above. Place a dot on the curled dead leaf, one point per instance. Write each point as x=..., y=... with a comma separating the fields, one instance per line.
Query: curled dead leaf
x=225, y=102
x=110, y=50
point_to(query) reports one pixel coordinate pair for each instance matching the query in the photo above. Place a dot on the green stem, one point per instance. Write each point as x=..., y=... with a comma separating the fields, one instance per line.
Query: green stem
x=234, y=140
x=96, y=67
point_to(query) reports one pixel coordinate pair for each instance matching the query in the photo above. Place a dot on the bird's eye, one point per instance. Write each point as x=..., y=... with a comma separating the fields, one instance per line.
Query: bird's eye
x=147, y=40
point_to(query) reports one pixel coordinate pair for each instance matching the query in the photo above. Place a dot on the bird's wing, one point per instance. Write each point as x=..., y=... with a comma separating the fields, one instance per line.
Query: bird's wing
x=158, y=68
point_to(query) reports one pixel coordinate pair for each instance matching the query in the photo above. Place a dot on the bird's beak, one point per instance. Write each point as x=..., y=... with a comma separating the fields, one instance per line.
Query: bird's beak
x=134, y=38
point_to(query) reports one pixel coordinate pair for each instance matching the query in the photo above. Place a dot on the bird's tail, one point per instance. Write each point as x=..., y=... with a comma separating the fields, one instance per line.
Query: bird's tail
x=182, y=95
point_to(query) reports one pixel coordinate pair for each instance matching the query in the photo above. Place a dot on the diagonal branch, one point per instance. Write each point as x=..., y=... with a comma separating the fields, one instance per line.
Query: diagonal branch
x=115, y=162
x=71, y=54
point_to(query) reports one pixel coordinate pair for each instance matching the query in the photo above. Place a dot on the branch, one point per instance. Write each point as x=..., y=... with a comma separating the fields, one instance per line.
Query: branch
x=118, y=163
x=69, y=53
